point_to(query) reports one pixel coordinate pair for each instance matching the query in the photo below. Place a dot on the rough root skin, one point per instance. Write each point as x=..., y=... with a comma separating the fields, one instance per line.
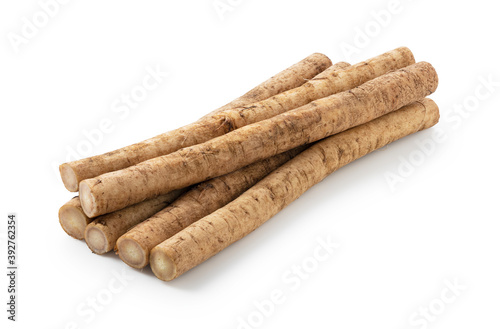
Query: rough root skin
x=338, y=78
x=166, y=143
x=290, y=78
x=224, y=154
x=213, y=233
x=134, y=246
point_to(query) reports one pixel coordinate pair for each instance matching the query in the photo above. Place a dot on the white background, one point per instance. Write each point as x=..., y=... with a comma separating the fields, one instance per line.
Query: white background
x=401, y=246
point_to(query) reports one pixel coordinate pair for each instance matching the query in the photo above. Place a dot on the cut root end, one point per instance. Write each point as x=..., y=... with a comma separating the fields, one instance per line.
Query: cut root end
x=69, y=178
x=131, y=252
x=96, y=240
x=162, y=265
x=87, y=199
x=73, y=221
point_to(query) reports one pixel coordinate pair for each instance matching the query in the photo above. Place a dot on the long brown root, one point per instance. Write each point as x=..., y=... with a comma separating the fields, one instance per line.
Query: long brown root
x=219, y=156
x=134, y=246
x=72, y=173
x=213, y=233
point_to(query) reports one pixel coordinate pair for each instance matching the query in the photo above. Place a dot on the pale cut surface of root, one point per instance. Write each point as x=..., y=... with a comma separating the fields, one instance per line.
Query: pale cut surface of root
x=132, y=253
x=69, y=178
x=87, y=200
x=72, y=219
x=96, y=240
x=73, y=222
x=162, y=265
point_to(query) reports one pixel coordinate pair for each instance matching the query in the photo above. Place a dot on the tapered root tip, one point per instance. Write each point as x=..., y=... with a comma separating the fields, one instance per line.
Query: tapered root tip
x=408, y=52
x=131, y=252
x=73, y=221
x=431, y=76
x=96, y=240
x=431, y=113
x=87, y=199
x=162, y=265
x=69, y=178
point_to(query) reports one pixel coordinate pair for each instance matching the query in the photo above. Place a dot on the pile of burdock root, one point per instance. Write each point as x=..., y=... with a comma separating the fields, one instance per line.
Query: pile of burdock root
x=177, y=199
